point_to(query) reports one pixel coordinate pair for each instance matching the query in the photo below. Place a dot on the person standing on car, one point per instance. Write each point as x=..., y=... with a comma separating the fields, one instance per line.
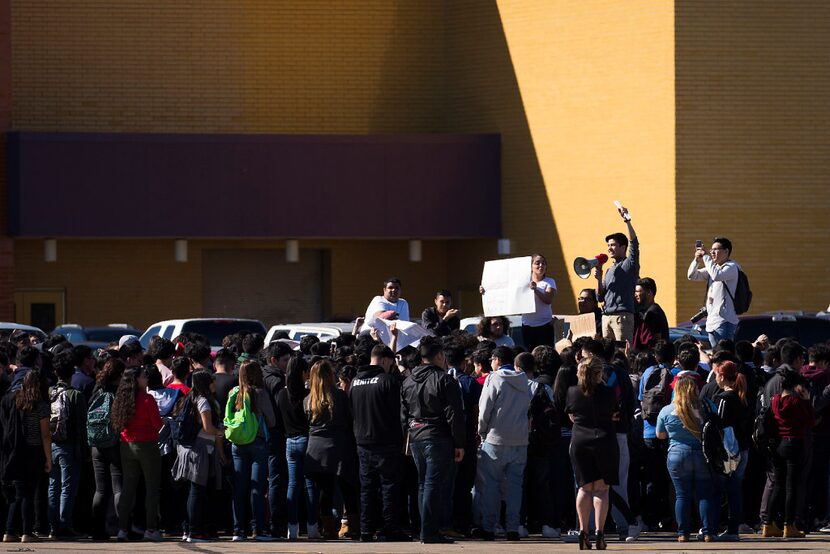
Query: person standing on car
x=720, y=272
x=433, y=416
x=375, y=397
x=441, y=319
x=388, y=306
x=616, y=288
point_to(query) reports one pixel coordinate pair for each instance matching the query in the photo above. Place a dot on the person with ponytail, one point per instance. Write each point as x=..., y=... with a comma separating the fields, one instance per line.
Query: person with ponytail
x=593, y=408
x=250, y=461
x=331, y=455
x=681, y=423
x=732, y=404
x=295, y=424
x=24, y=415
x=135, y=415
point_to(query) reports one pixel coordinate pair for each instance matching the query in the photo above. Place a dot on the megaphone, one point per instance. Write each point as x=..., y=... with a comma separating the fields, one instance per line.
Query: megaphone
x=583, y=266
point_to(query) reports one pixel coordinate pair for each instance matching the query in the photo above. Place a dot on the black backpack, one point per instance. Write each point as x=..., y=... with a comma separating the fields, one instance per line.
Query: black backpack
x=742, y=298
x=765, y=428
x=656, y=393
x=544, y=422
x=712, y=439
x=186, y=424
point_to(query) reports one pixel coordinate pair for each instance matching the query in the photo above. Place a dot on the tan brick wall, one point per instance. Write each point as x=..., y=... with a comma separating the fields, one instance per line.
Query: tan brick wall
x=753, y=144
x=254, y=66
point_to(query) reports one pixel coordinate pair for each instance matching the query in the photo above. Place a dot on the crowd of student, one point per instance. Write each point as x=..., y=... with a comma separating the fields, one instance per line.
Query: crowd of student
x=346, y=439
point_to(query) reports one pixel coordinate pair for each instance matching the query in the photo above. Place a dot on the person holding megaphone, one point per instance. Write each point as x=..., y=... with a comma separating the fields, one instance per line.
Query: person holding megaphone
x=616, y=288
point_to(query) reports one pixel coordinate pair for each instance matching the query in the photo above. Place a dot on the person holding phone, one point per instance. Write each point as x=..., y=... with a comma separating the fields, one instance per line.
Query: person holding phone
x=615, y=289
x=721, y=275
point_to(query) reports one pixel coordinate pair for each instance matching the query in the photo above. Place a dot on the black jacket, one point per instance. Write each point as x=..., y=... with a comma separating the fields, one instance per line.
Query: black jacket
x=274, y=383
x=431, y=406
x=435, y=323
x=565, y=379
x=375, y=397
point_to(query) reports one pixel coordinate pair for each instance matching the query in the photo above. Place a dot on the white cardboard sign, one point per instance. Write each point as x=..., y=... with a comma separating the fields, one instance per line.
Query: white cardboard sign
x=507, y=287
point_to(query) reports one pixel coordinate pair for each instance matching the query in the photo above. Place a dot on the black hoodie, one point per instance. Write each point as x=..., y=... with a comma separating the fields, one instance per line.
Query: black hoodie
x=431, y=406
x=274, y=383
x=375, y=397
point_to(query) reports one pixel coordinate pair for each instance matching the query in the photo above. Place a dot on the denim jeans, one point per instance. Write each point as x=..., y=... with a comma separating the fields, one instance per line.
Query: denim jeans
x=295, y=448
x=732, y=485
x=379, y=478
x=432, y=459
x=277, y=481
x=725, y=330
x=498, y=463
x=63, y=483
x=692, y=478
x=250, y=474
x=196, y=503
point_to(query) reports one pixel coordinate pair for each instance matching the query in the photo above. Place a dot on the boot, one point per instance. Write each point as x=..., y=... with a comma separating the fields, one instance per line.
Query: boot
x=329, y=527
x=792, y=532
x=350, y=528
x=769, y=530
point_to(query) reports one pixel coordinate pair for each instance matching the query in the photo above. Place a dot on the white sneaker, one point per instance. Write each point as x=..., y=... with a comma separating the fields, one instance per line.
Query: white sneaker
x=550, y=532
x=633, y=533
x=185, y=536
x=523, y=532
x=238, y=538
x=293, y=531
x=154, y=536
x=313, y=533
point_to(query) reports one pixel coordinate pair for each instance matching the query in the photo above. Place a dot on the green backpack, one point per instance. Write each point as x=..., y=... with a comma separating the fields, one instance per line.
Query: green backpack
x=241, y=426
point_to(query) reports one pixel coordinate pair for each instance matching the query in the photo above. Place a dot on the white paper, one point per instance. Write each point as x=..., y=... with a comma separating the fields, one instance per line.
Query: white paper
x=409, y=334
x=507, y=287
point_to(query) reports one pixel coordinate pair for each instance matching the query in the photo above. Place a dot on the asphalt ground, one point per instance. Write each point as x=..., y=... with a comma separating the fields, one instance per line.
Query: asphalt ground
x=649, y=542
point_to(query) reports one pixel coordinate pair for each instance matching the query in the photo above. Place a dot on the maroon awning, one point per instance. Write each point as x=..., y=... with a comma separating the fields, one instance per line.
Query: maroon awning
x=170, y=185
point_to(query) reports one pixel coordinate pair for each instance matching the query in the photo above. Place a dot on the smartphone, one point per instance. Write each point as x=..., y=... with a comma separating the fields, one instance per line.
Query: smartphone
x=698, y=244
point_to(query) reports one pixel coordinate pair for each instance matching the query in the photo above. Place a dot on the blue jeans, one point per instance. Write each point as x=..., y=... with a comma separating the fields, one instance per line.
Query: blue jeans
x=432, y=459
x=63, y=483
x=692, y=478
x=196, y=502
x=295, y=448
x=277, y=482
x=726, y=330
x=250, y=475
x=498, y=463
x=734, y=495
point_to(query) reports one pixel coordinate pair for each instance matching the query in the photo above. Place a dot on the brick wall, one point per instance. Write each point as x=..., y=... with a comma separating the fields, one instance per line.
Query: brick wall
x=753, y=145
x=6, y=244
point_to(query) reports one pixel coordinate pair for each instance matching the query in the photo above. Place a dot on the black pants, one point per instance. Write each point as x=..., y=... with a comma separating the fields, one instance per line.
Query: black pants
x=537, y=502
x=325, y=484
x=534, y=336
x=379, y=485
x=655, y=498
x=788, y=466
x=106, y=462
x=462, y=504
x=817, y=480
x=21, y=494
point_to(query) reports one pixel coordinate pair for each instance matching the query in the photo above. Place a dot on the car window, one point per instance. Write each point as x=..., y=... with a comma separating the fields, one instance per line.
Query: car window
x=107, y=335
x=148, y=334
x=812, y=331
x=217, y=330
x=168, y=332
x=74, y=335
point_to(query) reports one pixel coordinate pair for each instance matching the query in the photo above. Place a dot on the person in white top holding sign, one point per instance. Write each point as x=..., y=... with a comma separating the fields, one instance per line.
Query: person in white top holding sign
x=388, y=306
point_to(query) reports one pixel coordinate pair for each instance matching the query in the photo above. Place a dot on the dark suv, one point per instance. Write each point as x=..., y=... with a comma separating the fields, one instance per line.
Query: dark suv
x=806, y=329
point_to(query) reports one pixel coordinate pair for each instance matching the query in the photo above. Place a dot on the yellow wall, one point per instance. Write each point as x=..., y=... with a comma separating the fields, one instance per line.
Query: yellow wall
x=753, y=144
x=596, y=79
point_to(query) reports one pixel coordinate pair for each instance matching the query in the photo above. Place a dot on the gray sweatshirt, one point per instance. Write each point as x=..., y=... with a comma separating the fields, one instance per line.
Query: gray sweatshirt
x=502, y=408
x=619, y=282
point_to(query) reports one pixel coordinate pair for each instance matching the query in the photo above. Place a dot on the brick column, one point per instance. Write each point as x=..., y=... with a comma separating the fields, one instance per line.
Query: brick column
x=6, y=242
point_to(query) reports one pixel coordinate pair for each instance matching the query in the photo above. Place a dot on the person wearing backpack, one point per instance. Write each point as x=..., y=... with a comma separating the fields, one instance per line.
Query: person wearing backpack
x=250, y=452
x=794, y=418
x=680, y=422
x=722, y=275
x=25, y=452
x=106, y=451
x=67, y=423
x=135, y=415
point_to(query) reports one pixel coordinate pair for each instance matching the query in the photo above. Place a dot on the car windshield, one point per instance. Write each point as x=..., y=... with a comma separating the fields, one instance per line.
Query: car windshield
x=107, y=335
x=216, y=330
x=751, y=329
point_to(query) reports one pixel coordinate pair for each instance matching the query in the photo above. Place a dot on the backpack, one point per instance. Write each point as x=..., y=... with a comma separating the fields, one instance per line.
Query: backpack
x=720, y=448
x=186, y=424
x=765, y=428
x=99, y=431
x=742, y=298
x=241, y=426
x=656, y=392
x=544, y=421
x=59, y=412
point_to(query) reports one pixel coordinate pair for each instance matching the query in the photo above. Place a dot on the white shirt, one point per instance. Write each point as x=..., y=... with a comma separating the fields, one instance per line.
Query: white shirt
x=381, y=304
x=718, y=302
x=543, y=314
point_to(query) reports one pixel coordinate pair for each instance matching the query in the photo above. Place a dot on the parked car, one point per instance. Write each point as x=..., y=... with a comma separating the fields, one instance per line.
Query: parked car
x=323, y=331
x=215, y=329
x=7, y=328
x=677, y=332
x=95, y=337
x=806, y=329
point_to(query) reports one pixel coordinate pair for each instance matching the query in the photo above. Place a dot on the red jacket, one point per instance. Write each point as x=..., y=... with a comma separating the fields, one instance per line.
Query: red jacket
x=146, y=422
x=793, y=414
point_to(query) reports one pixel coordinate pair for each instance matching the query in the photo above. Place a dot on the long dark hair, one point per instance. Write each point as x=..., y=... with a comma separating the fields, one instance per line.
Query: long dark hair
x=295, y=379
x=110, y=374
x=32, y=391
x=201, y=381
x=123, y=407
x=250, y=380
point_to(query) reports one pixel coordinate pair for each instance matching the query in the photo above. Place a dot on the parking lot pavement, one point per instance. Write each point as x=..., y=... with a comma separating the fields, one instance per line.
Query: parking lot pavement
x=649, y=543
